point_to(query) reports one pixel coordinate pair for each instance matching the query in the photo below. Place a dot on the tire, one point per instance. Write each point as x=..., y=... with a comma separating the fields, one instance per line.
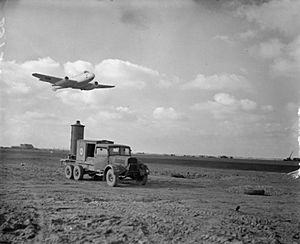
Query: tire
x=69, y=171
x=111, y=178
x=143, y=180
x=78, y=172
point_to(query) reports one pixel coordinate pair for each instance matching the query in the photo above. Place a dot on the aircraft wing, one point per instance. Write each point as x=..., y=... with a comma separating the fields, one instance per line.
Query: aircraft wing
x=47, y=78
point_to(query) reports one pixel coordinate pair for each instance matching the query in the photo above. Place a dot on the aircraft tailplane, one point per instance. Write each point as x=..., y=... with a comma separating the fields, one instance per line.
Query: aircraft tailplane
x=57, y=88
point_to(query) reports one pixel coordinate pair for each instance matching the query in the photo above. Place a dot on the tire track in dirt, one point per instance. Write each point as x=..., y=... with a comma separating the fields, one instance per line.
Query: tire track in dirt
x=41, y=234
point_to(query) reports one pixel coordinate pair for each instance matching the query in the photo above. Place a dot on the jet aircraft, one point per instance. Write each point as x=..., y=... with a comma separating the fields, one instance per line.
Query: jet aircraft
x=82, y=81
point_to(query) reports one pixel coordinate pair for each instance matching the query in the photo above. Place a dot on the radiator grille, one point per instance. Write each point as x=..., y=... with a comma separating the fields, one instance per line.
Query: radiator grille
x=133, y=166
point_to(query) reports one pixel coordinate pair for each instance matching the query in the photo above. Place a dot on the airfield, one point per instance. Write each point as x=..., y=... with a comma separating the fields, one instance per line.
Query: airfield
x=187, y=200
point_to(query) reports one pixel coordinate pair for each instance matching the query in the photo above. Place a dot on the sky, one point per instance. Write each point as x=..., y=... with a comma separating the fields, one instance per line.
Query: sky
x=192, y=77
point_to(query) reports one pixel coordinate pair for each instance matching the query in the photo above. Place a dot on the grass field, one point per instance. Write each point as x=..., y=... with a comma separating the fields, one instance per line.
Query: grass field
x=208, y=205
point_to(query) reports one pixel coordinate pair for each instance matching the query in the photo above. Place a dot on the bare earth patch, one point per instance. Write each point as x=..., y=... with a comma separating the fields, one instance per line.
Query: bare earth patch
x=39, y=205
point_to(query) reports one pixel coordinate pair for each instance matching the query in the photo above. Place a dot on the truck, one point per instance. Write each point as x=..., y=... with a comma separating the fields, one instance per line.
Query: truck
x=102, y=159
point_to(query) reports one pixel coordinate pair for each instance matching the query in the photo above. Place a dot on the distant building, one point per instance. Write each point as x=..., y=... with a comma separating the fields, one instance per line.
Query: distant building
x=26, y=146
x=23, y=146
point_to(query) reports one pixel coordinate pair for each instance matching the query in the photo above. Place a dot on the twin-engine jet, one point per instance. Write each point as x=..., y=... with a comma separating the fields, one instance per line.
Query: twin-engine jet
x=83, y=81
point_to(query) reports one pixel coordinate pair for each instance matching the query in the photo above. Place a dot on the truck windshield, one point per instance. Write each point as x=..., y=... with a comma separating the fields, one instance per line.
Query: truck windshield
x=119, y=150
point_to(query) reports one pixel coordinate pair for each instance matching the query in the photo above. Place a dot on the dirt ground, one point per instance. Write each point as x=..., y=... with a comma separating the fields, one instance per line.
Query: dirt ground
x=39, y=205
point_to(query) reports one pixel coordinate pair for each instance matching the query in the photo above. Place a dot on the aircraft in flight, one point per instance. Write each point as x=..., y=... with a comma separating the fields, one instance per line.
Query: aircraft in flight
x=82, y=81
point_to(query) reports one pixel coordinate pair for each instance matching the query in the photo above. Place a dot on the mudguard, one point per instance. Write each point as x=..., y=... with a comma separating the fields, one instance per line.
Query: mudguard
x=118, y=169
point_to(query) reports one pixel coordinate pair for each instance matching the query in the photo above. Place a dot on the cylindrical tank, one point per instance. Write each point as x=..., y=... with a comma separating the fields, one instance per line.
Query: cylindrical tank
x=77, y=132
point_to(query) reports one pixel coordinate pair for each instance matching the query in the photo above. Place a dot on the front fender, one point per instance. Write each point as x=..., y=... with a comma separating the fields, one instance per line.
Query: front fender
x=118, y=169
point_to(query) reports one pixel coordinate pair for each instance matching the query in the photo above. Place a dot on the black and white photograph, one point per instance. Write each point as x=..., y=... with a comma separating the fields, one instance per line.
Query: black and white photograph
x=150, y=121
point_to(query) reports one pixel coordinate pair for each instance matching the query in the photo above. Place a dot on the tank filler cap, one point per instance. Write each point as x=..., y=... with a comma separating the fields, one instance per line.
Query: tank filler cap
x=78, y=124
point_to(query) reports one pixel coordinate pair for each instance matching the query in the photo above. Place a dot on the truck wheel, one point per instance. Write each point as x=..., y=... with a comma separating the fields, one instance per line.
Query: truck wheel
x=143, y=180
x=69, y=171
x=78, y=172
x=111, y=178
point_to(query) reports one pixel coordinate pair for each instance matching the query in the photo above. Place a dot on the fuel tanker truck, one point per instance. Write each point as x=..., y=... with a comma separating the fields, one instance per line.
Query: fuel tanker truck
x=103, y=159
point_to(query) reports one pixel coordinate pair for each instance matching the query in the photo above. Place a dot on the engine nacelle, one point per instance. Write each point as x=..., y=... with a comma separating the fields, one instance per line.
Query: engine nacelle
x=96, y=83
x=66, y=77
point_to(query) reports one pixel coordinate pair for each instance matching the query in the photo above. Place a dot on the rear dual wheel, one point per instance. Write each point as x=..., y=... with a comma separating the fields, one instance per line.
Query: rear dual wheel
x=69, y=171
x=78, y=172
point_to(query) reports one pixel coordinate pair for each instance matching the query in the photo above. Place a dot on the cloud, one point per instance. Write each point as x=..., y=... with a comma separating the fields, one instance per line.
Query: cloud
x=135, y=17
x=289, y=63
x=17, y=77
x=273, y=128
x=231, y=117
x=74, y=68
x=223, y=38
x=126, y=113
x=267, y=108
x=268, y=50
x=116, y=114
x=282, y=16
x=46, y=64
x=126, y=74
x=76, y=98
x=18, y=80
x=285, y=67
x=123, y=74
x=247, y=34
x=161, y=113
x=292, y=107
x=30, y=116
x=294, y=49
x=247, y=104
x=112, y=108
x=218, y=82
x=224, y=105
x=224, y=99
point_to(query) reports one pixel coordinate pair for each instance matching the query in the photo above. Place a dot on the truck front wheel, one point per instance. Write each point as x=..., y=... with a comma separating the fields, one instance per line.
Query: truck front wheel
x=143, y=180
x=78, y=172
x=69, y=171
x=111, y=178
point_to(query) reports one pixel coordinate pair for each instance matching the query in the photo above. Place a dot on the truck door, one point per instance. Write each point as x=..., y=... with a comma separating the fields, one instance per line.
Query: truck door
x=101, y=158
